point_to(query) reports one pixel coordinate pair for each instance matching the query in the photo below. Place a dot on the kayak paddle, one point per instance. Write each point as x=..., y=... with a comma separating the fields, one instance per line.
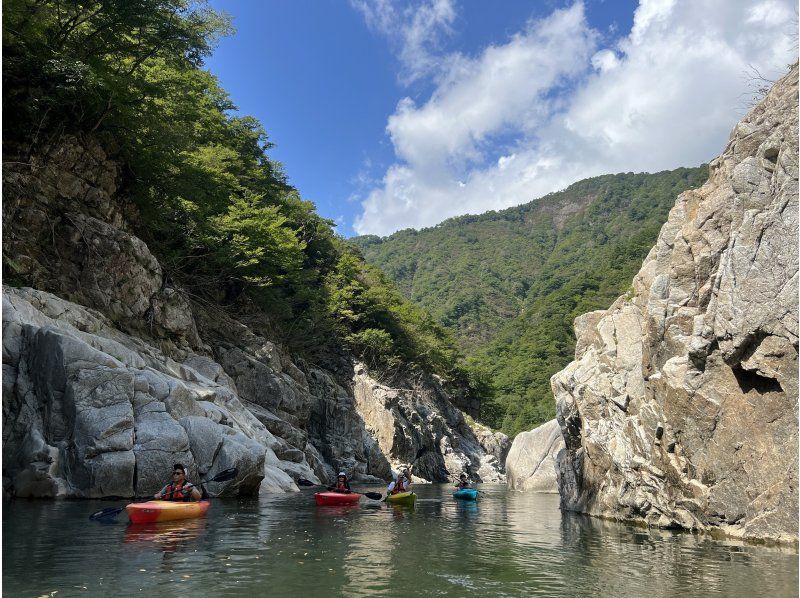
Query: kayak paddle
x=371, y=495
x=222, y=476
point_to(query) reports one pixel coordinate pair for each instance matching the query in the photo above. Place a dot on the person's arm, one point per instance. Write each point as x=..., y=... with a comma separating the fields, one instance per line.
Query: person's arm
x=390, y=487
x=194, y=493
x=161, y=492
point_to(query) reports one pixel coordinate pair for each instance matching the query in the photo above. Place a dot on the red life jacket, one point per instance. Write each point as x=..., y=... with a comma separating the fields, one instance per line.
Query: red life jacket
x=399, y=485
x=341, y=485
x=178, y=492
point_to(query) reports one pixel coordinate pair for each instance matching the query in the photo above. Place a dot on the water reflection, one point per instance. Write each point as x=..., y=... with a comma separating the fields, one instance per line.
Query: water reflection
x=613, y=557
x=284, y=545
x=167, y=536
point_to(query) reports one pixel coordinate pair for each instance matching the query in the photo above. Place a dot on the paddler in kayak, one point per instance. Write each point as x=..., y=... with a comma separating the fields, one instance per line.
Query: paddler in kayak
x=402, y=483
x=342, y=485
x=463, y=482
x=179, y=489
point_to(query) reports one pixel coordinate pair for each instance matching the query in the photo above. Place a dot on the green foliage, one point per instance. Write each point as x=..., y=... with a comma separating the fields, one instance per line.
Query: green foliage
x=255, y=240
x=369, y=312
x=510, y=283
x=214, y=207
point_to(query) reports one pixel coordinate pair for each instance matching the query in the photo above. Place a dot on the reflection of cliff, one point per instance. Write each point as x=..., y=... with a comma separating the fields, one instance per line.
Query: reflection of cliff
x=534, y=519
x=617, y=559
x=681, y=406
x=367, y=562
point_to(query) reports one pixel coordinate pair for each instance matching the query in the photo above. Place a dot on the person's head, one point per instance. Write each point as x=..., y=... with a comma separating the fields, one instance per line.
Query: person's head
x=464, y=477
x=406, y=473
x=178, y=472
x=342, y=476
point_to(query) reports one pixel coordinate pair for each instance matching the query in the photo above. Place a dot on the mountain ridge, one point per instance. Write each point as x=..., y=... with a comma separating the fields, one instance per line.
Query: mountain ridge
x=494, y=279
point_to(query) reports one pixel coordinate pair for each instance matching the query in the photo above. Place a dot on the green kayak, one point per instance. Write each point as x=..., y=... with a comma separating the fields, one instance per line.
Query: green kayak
x=403, y=498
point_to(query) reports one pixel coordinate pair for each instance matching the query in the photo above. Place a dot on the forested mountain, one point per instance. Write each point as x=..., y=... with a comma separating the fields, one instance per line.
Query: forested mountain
x=510, y=283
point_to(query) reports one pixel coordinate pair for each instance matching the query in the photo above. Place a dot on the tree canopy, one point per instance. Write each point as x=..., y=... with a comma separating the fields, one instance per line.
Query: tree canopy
x=213, y=206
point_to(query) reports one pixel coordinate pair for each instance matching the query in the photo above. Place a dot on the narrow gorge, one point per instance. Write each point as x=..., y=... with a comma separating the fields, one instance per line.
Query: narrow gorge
x=112, y=371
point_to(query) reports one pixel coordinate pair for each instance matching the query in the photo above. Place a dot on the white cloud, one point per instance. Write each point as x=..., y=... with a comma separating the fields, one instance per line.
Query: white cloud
x=549, y=107
x=415, y=31
x=605, y=60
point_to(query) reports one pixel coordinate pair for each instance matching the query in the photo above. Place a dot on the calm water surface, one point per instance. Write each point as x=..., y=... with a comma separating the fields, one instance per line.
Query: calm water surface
x=506, y=544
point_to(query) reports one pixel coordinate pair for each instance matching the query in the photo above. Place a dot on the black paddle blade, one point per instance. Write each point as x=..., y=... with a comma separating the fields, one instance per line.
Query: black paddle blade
x=224, y=476
x=305, y=482
x=373, y=495
x=109, y=512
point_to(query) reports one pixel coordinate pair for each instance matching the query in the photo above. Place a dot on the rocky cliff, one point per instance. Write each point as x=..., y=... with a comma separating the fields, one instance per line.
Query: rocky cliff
x=112, y=372
x=532, y=461
x=680, y=409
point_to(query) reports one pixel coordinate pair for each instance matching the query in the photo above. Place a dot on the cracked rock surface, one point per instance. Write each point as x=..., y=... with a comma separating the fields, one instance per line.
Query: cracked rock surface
x=680, y=409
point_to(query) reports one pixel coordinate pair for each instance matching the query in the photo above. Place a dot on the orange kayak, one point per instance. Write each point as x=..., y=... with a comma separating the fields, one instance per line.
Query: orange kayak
x=165, y=510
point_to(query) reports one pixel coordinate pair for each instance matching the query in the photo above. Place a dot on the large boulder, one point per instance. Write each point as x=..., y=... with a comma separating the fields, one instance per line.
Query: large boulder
x=531, y=463
x=680, y=409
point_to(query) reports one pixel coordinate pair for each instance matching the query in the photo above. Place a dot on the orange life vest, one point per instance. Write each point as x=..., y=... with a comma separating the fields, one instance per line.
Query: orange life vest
x=182, y=493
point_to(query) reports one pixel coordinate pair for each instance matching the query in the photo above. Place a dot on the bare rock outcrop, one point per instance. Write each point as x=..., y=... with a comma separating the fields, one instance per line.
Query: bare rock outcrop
x=89, y=411
x=680, y=409
x=531, y=463
x=415, y=423
x=65, y=231
x=110, y=374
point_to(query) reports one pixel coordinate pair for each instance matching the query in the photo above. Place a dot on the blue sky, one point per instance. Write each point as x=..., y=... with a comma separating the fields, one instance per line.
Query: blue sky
x=390, y=115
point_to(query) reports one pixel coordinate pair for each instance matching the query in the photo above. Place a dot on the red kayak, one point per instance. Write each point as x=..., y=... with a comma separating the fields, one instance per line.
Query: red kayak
x=328, y=499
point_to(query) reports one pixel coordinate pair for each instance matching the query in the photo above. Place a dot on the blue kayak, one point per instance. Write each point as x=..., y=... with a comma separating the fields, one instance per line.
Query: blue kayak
x=466, y=494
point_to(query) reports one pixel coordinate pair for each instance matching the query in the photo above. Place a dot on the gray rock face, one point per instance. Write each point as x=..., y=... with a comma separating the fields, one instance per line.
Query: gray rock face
x=65, y=228
x=417, y=424
x=89, y=411
x=680, y=409
x=531, y=462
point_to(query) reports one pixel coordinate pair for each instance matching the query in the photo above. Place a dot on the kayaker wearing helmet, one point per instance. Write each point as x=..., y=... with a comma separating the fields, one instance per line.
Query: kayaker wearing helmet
x=179, y=489
x=402, y=483
x=463, y=482
x=342, y=485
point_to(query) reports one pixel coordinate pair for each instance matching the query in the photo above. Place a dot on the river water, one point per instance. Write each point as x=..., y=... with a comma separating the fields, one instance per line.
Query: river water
x=506, y=544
